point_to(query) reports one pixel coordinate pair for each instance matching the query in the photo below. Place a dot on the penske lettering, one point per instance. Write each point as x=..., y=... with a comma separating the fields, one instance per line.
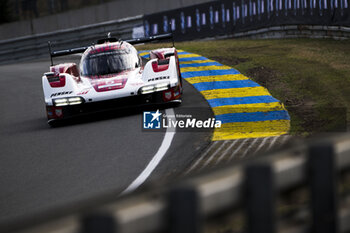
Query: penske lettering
x=61, y=93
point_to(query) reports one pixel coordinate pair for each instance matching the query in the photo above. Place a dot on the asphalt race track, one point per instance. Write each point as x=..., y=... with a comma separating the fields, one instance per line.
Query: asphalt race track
x=42, y=167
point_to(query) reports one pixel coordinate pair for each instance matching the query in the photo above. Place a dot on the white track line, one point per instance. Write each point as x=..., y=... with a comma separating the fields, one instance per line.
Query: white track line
x=202, y=157
x=250, y=146
x=261, y=145
x=238, y=148
x=284, y=139
x=272, y=142
x=168, y=138
x=225, y=152
x=213, y=155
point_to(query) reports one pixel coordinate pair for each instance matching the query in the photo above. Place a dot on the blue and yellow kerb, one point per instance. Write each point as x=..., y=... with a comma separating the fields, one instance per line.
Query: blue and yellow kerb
x=246, y=109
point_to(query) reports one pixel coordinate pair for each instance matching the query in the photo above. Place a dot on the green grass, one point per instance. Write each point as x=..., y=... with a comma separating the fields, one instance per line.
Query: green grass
x=310, y=76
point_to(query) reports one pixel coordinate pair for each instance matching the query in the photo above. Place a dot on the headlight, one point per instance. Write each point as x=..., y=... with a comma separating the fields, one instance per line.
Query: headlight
x=67, y=101
x=147, y=89
x=153, y=88
x=161, y=86
x=75, y=100
x=60, y=102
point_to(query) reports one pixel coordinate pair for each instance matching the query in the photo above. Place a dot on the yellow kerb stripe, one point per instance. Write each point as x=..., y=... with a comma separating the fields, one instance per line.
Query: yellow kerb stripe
x=234, y=92
x=229, y=77
x=238, y=130
x=188, y=55
x=203, y=68
x=239, y=108
x=145, y=53
x=196, y=61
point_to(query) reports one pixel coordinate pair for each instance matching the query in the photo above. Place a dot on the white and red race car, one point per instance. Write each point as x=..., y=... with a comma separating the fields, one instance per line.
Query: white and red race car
x=111, y=75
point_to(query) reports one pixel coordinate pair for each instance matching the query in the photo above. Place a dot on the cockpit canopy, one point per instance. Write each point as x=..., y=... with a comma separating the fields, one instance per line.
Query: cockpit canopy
x=109, y=59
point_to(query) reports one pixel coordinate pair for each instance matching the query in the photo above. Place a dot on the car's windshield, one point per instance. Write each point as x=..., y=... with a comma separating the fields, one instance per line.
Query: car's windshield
x=110, y=62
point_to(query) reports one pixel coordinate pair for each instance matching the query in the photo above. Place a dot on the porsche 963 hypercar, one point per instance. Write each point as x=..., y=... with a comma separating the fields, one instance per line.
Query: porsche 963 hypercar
x=111, y=74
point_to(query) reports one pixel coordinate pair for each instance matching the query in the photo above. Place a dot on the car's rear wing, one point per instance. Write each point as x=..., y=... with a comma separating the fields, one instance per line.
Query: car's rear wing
x=151, y=38
x=65, y=52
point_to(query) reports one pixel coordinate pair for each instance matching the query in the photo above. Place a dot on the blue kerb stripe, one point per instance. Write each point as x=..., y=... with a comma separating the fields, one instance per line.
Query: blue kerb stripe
x=192, y=59
x=147, y=55
x=253, y=116
x=201, y=64
x=144, y=51
x=241, y=100
x=208, y=73
x=204, y=86
x=147, y=51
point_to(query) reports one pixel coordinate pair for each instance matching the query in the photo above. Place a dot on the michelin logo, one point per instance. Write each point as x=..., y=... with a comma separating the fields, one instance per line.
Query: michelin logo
x=151, y=120
x=154, y=120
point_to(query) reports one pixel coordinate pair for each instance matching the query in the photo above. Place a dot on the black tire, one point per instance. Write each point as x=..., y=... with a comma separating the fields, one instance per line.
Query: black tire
x=52, y=123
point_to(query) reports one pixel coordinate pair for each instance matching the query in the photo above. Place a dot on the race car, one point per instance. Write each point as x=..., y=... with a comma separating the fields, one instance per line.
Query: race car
x=111, y=74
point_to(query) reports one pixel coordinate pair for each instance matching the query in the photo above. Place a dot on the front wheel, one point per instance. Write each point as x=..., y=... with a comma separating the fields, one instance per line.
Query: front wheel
x=52, y=123
x=175, y=103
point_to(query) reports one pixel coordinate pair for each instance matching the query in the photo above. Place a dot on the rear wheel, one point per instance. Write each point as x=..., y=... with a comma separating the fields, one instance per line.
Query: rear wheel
x=175, y=103
x=52, y=123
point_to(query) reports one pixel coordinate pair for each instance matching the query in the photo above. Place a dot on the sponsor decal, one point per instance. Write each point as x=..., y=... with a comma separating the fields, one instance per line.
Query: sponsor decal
x=58, y=112
x=83, y=92
x=167, y=95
